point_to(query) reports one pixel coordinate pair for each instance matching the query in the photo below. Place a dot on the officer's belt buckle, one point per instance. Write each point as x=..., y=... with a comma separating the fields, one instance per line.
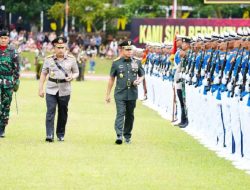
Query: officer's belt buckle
x=128, y=83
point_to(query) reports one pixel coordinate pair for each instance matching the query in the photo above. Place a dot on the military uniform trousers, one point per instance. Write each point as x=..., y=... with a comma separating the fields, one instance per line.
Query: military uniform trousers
x=124, y=117
x=62, y=102
x=5, y=101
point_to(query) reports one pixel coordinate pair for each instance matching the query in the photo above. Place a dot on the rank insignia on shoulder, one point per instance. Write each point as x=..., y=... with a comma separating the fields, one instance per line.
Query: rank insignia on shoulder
x=70, y=55
x=117, y=59
x=49, y=56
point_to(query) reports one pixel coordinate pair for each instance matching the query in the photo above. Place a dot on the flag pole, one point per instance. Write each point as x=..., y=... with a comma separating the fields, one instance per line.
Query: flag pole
x=66, y=19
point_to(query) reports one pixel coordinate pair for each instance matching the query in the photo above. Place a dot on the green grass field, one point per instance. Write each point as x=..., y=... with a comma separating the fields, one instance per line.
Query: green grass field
x=102, y=65
x=161, y=157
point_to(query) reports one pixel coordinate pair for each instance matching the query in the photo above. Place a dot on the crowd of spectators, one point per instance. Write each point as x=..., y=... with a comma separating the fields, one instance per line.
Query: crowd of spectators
x=84, y=47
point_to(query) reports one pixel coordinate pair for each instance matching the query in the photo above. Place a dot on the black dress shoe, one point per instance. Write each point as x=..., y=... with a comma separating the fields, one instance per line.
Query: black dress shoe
x=60, y=139
x=128, y=141
x=183, y=125
x=119, y=140
x=49, y=139
x=2, y=132
x=2, y=135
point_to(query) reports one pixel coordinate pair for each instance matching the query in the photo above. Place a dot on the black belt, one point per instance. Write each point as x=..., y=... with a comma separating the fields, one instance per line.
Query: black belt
x=57, y=80
x=128, y=83
x=4, y=73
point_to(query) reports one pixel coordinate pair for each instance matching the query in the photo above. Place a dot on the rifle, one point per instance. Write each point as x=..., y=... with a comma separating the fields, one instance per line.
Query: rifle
x=189, y=62
x=192, y=69
x=210, y=75
x=152, y=67
x=237, y=73
x=160, y=63
x=223, y=66
x=244, y=80
x=185, y=61
x=198, y=75
x=208, y=67
x=232, y=66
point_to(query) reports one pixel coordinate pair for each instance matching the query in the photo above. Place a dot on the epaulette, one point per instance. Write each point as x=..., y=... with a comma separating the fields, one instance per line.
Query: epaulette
x=70, y=55
x=50, y=56
x=117, y=58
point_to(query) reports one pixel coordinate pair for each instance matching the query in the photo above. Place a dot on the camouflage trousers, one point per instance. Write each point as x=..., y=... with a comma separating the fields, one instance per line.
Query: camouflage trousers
x=5, y=101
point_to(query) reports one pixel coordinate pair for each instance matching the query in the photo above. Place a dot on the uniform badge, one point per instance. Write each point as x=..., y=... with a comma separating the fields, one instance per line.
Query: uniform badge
x=121, y=75
x=52, y=74
x=134, y=65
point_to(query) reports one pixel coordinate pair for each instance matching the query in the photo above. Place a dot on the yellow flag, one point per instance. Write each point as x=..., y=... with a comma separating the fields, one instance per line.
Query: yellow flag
x=53, y=26
x=185, y=15
x=121, y=23
x=246, y=14
x=89, y=29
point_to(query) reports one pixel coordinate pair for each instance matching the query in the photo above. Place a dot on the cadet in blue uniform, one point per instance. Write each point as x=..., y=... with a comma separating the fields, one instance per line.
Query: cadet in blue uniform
x=126, y=71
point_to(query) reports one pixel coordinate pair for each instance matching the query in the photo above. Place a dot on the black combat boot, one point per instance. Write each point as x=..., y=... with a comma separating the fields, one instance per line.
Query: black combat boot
x=2, y=131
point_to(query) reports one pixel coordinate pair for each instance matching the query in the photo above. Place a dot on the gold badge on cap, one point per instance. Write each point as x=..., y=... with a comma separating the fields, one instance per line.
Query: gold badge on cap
x=60, y=41
x=129, y=43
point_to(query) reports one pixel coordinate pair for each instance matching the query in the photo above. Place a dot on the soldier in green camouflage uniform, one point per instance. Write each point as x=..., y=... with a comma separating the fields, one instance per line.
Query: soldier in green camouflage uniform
x=9, y=78
x=39, y=59
x=129, y=74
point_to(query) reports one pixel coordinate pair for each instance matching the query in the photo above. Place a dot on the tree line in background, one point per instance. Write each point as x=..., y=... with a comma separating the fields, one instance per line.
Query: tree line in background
x=98, y=13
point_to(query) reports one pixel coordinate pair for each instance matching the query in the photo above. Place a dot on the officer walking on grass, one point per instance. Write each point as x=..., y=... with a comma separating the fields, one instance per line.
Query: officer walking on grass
x=129, y=74
x=9, y=78
x=62, y=69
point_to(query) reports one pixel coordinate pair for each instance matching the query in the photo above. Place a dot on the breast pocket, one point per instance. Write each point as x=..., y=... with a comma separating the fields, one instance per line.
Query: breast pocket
x=134, y=72
x=68, y=67
x=121, y=73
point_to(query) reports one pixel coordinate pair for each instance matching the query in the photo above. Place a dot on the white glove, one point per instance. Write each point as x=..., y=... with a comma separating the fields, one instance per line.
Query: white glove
x=229, y=86
x=216, y=80
x=224, y=80
x=194, y=79
x=237, y=90
x=205, y=82
x=202, y=73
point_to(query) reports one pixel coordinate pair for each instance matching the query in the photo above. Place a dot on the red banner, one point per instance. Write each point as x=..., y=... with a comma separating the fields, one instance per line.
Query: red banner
x=163, y=30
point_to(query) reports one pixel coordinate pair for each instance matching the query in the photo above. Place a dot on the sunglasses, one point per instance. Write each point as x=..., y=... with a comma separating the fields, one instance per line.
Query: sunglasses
x=60, y=47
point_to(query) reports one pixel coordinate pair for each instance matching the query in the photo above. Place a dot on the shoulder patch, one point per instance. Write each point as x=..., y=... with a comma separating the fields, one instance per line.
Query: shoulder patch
x=70, y=55
x=117, y=59
x=49, y=56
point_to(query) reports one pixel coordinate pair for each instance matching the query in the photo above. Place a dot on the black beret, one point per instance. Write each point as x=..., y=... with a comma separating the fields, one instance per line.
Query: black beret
x=59, y=41
x=4, y=33
x=127, y=44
